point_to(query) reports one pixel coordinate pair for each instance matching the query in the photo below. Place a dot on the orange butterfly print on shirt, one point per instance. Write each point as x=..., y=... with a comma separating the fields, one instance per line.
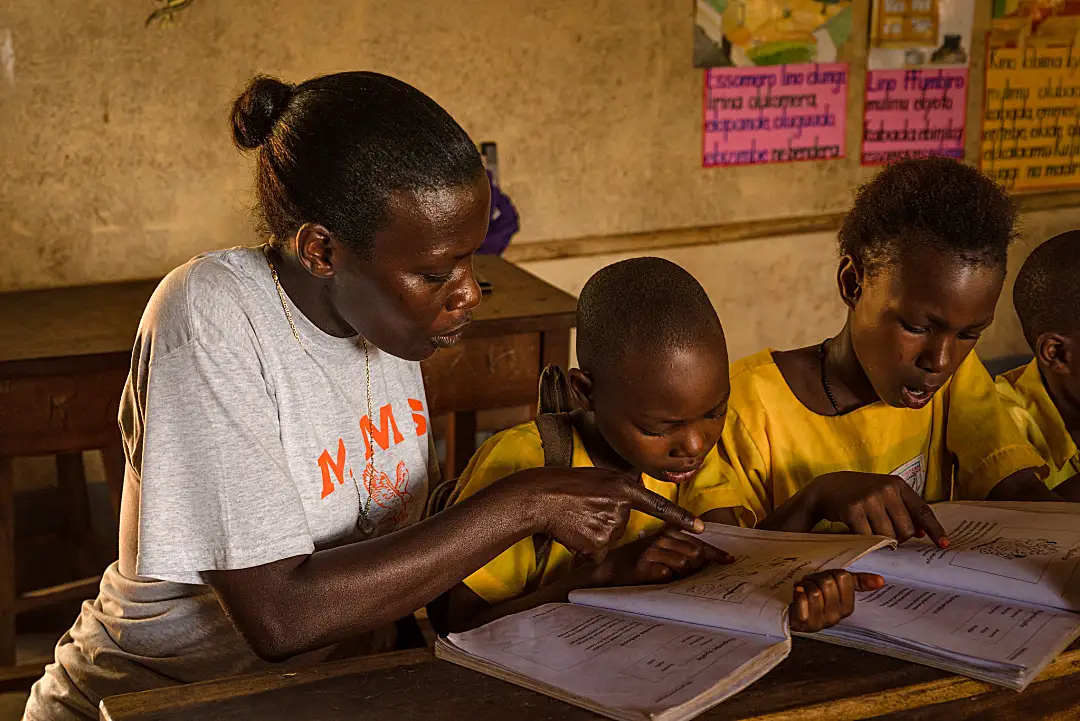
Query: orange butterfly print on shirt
x=391, y=494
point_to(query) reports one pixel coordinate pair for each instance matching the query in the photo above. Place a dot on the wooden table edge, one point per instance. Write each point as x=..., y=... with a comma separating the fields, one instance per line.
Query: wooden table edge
x=540, y=323
x=901, y=698
x=906, y=698
x=507, y=276
x=21, y=366
x=257, y=682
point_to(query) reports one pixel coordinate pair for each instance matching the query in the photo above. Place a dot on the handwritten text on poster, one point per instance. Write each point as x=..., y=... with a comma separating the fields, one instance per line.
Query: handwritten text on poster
x=775, y=114
x=914, y=113
x=1031, y=117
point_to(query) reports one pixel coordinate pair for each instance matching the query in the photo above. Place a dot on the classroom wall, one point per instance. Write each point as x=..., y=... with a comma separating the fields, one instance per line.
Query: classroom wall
x=781, y=292
x=117, y=162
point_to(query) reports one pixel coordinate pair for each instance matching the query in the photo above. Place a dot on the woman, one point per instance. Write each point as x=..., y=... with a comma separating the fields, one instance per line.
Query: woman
x=278, y=441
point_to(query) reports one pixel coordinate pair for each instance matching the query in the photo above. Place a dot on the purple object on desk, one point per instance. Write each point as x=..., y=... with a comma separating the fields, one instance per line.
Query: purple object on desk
x=503, y=223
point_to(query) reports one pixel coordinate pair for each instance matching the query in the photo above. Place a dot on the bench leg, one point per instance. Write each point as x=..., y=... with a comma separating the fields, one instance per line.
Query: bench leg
x=7, y=563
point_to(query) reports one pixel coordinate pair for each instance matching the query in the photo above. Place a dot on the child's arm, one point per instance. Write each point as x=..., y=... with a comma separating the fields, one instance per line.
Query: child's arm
x=727, y=516
x=868, y=503
x=1070, y=489
x=465, y=610
x=1025, y=485
x=662, y=557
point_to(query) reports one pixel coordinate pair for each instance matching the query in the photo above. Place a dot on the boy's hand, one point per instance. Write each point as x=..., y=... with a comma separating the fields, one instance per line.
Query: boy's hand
x=875, y=504
x=665, y=556
x=822, y=599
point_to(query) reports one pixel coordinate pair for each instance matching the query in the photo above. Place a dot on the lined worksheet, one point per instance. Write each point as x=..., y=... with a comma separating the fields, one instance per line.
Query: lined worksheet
x=619, y=661
x=752, y=593
x=1001, y=551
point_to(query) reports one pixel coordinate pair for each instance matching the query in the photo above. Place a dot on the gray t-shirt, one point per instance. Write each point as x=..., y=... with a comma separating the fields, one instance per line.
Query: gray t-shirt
x=247, y=447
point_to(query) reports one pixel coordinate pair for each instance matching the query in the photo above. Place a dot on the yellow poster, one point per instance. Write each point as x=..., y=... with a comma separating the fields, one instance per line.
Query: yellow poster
x=1031, y=117
x=1018, y=23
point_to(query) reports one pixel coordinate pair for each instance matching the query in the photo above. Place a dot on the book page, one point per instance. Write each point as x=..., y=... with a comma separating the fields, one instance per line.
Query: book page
x=1029, y=554
x=751, y=594
x=638, y=666
x=960, y=624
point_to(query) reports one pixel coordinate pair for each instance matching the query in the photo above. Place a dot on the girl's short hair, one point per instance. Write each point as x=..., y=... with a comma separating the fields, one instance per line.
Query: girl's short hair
x=937, y=202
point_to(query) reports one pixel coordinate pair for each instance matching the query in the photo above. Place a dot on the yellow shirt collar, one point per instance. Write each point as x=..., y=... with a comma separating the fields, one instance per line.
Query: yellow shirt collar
x=1031, y=388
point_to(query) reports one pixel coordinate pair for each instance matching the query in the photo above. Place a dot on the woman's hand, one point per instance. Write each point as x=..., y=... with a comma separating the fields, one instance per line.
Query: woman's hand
x=586, y=509
x=662, y=557
x=822, y=599
x=306, y=602
x=874, y=504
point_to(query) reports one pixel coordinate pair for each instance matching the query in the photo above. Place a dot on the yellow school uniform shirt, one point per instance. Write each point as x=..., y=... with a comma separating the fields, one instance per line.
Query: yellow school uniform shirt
x=777, y=446
x=514, y=572
x=1033, y=410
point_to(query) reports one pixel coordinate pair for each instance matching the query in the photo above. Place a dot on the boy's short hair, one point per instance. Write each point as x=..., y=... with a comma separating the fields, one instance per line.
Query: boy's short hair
x=1047, y=290
x=641, y=305
x=935, y=201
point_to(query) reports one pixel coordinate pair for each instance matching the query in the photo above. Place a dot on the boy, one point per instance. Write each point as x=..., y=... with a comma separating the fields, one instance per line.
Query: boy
x=1043, y=397
x=652, y=387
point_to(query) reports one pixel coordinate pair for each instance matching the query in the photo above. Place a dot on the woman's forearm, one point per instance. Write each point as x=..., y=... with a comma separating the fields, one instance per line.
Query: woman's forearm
x=307, y=602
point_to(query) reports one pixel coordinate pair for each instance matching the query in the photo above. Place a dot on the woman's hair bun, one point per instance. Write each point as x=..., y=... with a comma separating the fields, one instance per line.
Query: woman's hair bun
x=257, y=109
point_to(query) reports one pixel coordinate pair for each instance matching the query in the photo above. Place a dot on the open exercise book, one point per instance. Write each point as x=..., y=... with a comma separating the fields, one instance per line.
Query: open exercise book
x=997, y=605
x=662, y=652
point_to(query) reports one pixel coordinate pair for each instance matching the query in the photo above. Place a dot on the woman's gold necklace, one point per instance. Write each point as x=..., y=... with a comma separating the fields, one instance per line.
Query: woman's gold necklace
x=363, y=522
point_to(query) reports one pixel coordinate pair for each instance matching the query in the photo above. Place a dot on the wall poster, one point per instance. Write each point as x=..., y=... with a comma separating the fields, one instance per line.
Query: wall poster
x=774, y=91
x=1031, y=111
x=917, y=79
x=775, y=114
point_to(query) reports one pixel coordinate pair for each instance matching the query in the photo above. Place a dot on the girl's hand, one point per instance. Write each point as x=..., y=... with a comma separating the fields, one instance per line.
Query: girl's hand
x=823, y=599
x=875, y=504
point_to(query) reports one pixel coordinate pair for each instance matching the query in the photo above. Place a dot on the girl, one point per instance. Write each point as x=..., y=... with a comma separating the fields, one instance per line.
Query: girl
x=895, y=410
x=275, y=421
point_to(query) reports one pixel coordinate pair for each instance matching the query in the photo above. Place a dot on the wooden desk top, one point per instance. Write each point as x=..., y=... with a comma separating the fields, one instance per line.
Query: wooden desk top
x=817, y=682
x=102, y=319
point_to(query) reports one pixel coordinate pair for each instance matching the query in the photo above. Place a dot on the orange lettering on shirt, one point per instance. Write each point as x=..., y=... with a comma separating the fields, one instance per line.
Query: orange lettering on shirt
x=326, y=464
x=418, y=416
x=380, y=434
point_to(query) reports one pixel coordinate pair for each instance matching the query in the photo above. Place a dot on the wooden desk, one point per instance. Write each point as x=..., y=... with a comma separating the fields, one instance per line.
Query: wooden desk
x=818, y=682
x=65, y=355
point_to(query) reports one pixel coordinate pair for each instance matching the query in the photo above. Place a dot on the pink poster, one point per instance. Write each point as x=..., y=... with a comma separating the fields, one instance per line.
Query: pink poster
x=775, y=114
x=912, y=113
